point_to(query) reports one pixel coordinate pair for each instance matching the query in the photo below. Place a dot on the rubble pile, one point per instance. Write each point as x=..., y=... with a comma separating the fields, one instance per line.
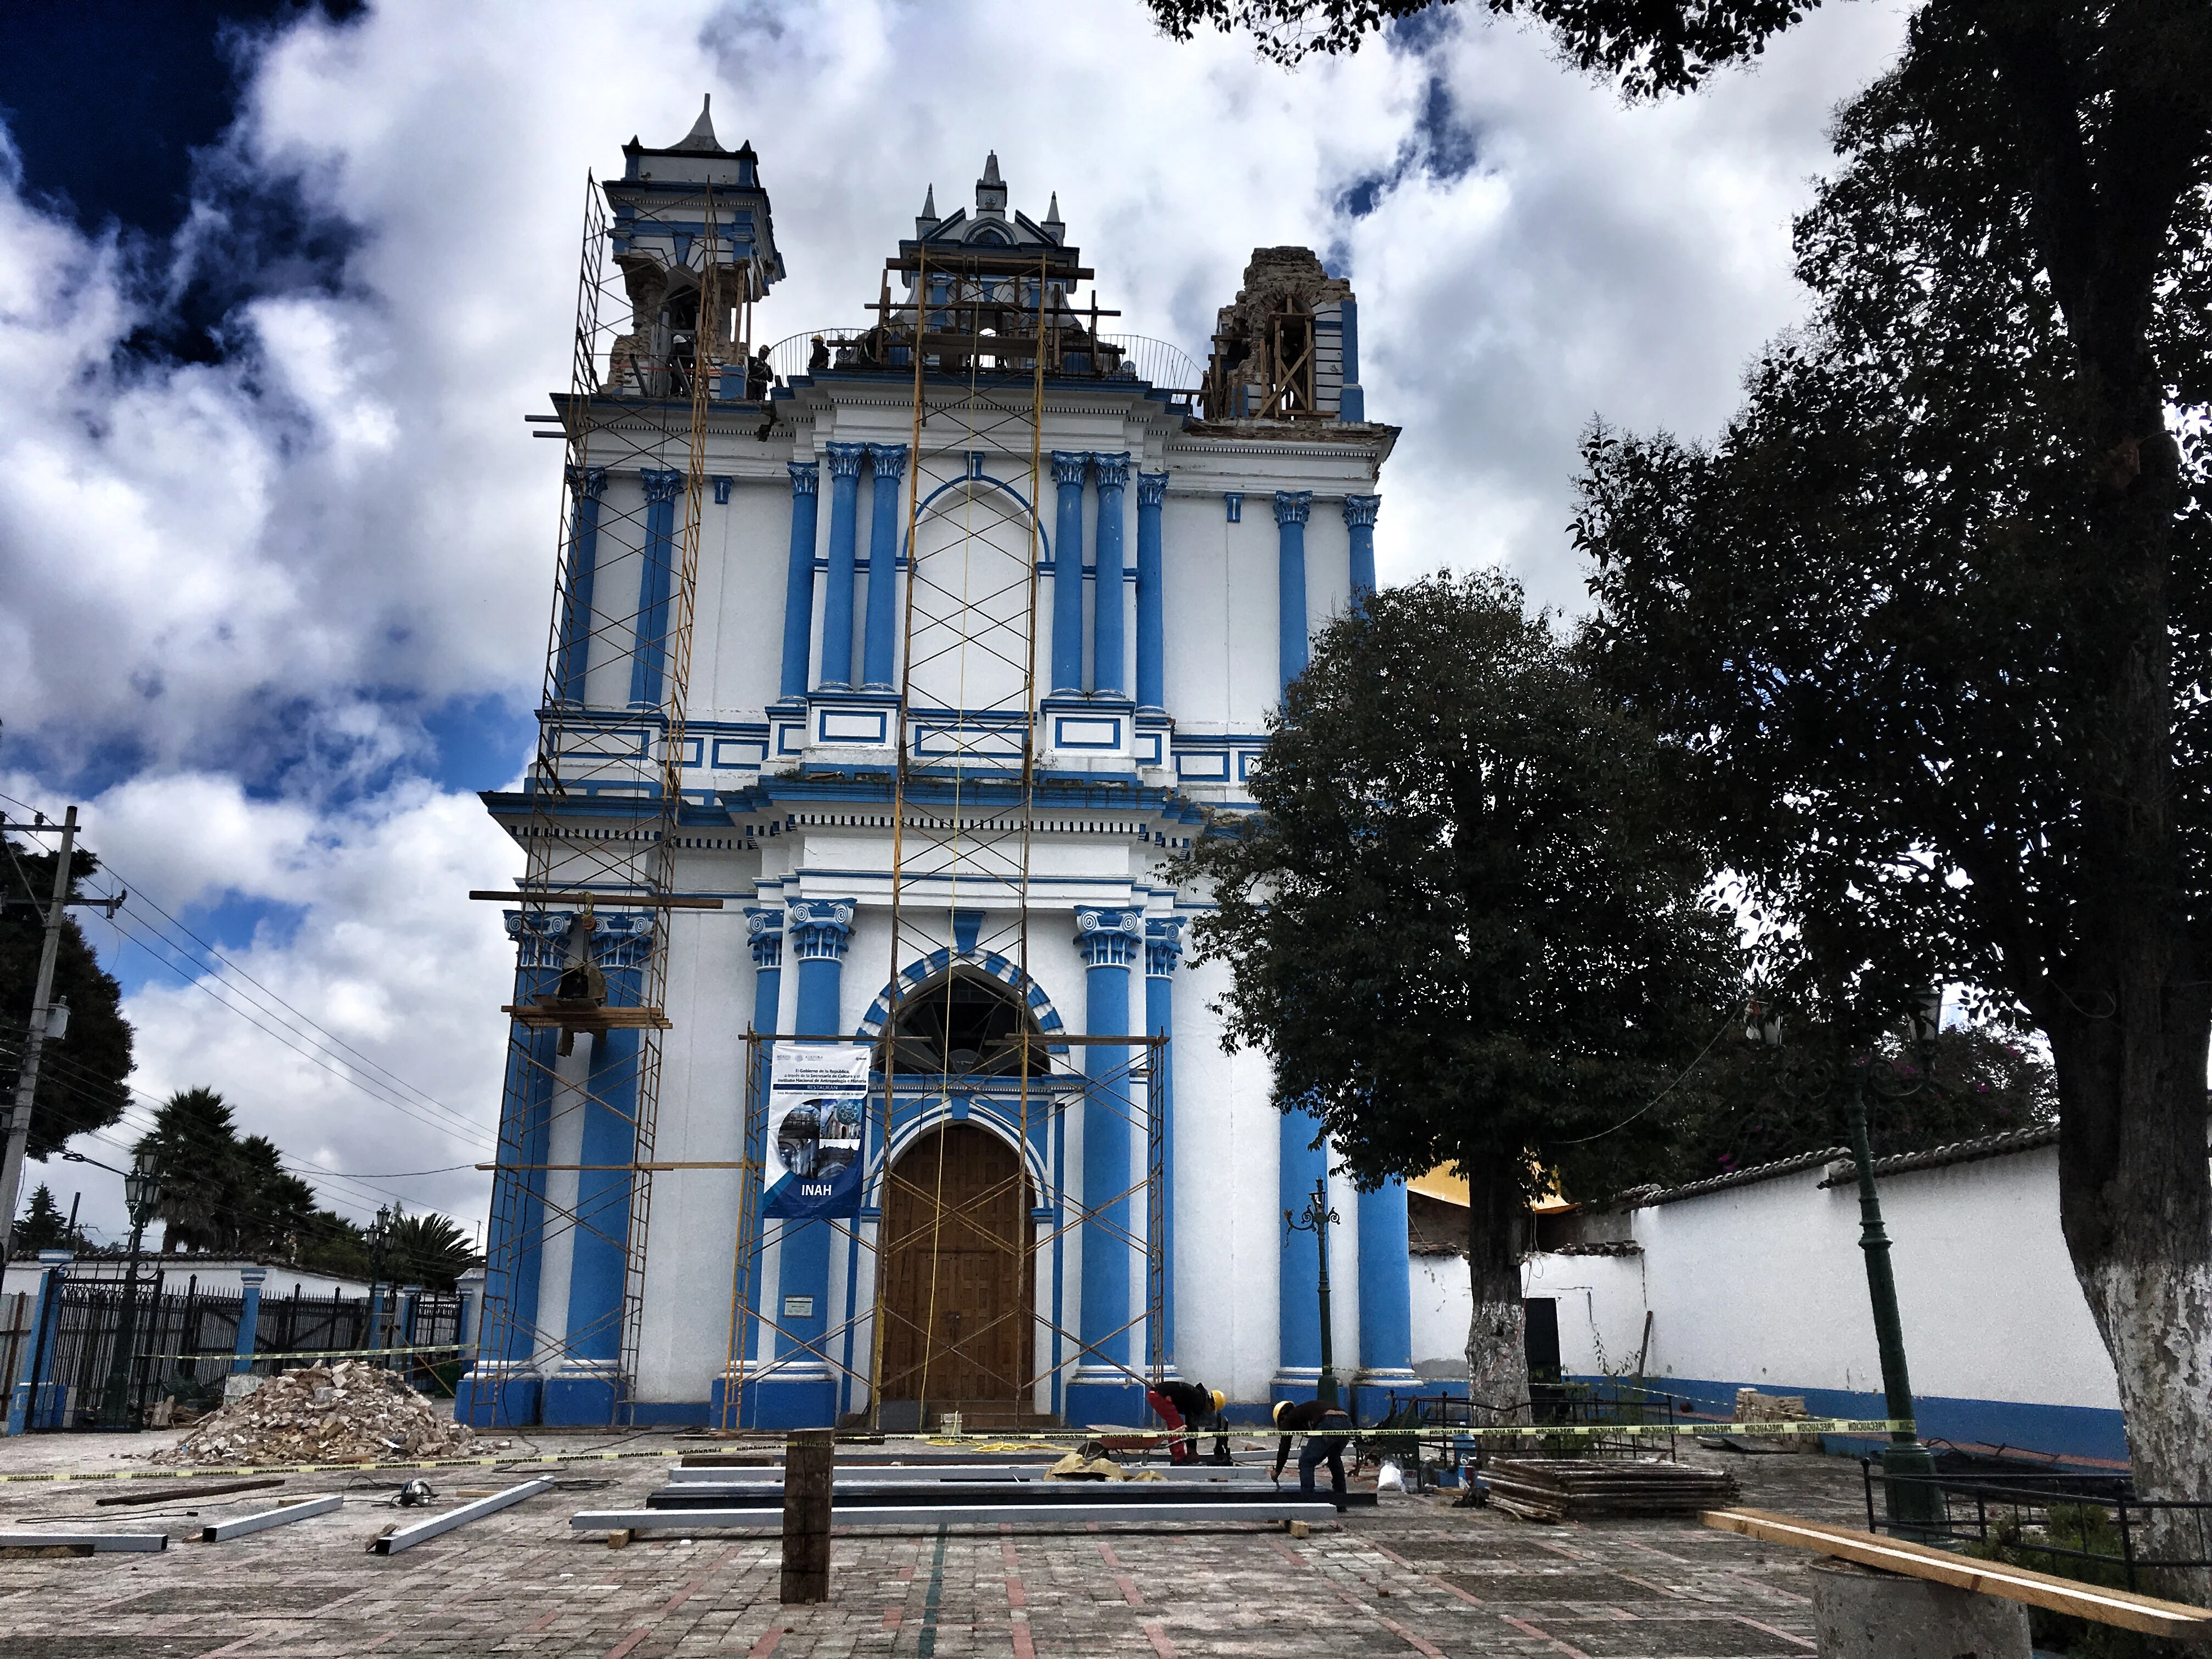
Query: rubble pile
x=1752, y=1407
x=348, y=1412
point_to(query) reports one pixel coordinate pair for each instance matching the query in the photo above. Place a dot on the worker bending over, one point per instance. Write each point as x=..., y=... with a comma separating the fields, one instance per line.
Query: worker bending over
x=1328, y=1428
x=1179, y=1403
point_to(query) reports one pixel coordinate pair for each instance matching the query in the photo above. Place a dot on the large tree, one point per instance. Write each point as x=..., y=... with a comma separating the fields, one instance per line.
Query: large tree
x=1463, y=925
x=1933, y=617
x=82, y=1077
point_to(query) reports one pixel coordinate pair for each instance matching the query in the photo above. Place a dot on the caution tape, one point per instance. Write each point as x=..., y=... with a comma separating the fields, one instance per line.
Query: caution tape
x=1039, y=1441
x=314, y=1353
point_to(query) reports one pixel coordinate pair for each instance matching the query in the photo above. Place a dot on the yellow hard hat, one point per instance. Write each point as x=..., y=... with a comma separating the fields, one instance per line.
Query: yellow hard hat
x=1281, y=1406
x=1220, y=1400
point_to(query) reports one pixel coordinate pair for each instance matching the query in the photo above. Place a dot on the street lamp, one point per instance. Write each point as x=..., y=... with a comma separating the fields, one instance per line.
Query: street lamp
x=385, y=1215
x=1914, y=1502
x=142, y=1192
x=1316, y=1220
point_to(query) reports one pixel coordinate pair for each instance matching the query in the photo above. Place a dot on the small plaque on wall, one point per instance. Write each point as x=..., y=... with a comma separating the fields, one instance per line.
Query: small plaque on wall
x=799, y=1307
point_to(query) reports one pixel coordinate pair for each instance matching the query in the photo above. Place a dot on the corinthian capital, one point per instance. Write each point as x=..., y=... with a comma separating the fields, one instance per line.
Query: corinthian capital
x=662, y=486
x=1109, y=939
x=890, y=460
x=1293, y=506
x=1360, y=510
x=845, y=459
x=1069, y=466
x=806, y=477
x=1112, y=472
x=589, y=482
x=1151, y=489
x=819, y=929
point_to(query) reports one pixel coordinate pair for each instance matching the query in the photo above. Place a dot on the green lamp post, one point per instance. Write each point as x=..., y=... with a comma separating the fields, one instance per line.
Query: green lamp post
x=1914, y=1502
x=1316, y=1219
x=142, y=1192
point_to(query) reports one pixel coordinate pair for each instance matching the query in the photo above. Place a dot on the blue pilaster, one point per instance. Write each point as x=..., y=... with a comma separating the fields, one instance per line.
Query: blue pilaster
x=1386, y=1300
x=765, y=926
x=648, y=668
x=1163, y=951
x=1360, y=512
x=249, y=1317
x=1069, y=468
x=1292, y=508
x=1297, y=1311
x=799, y=576
x=586, y=485
x=1109, y=600
x=1353, y=404
x=1110, y=942
x=502, y=1387
x=586, y=1385
x=801, y=1392
x=877, y=667
x=33, y=1399
x=836, y=673
x=1151, y=624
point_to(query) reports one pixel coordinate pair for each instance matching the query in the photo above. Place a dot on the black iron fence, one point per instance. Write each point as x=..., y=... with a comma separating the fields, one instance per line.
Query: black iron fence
x=181, y=1345
x=1565, y=1420
x=2083, y=1524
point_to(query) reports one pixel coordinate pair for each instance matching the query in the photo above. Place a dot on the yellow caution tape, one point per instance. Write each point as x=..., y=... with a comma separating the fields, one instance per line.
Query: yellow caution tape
x=314, y=1353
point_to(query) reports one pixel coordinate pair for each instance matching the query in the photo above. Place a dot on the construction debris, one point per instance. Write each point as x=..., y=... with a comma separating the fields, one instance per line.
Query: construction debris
x=1752, y=1407
x=347, y=1413
x=1585, y=1489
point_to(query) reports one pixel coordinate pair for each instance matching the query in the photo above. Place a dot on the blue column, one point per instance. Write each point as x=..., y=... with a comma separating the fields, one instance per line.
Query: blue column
x=765, y=926
x=799, y=576
x=1353, y=405
x=1163, y=949
x=837, y=599
x=877, y=667
x=1291, y=507
x=1360, y=520
x=802, y=1394
x=1067, y=470
x=1386, y=1300
x=1151, y=627
x=502, y=1389
x=1297, y=1312
x=586, y=1386
x=648, y=668
x=469, y=1287
x=586, y=484
x=29, y=1402
x=1109, y=602
x=1109, y=942
x=249, y=1317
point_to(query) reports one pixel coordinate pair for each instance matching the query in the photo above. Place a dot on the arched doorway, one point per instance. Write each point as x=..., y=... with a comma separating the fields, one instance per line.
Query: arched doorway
x=956, y=1301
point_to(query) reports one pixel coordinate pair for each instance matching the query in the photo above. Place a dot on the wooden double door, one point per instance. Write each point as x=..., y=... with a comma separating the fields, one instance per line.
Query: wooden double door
x=957, y=1304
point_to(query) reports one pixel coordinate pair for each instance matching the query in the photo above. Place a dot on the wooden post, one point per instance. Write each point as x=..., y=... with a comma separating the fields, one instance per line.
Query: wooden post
x=809, y=1464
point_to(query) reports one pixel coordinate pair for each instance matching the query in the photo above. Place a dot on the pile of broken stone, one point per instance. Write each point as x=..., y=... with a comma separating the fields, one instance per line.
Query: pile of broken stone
x=346, y=1413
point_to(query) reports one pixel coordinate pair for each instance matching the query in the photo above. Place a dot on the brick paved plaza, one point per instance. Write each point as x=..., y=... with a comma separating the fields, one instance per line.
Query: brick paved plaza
x=1412, y=1577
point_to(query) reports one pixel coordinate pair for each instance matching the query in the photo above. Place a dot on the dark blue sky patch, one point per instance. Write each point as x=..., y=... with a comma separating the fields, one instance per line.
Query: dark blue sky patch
x=1442, y=145
x=1424, y=31
x=118, y=109
x=481, y=743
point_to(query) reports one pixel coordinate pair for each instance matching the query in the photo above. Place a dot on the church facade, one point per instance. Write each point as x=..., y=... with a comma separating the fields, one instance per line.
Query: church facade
x=1192, y=530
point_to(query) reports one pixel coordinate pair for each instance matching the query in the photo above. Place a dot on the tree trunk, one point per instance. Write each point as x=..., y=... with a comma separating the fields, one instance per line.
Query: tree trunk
x=1497, y=1354
x=2135, y=1203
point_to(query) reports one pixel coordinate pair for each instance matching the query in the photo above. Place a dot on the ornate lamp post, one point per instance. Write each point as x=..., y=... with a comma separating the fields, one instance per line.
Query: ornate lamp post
x=379, y=1235
x=1914, y=1502
x=142, y=1191
x=1316, y=1219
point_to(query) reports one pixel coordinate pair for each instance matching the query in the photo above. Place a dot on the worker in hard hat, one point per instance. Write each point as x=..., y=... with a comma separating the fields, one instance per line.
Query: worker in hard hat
x=1179, y=1403
x=1327, y=1432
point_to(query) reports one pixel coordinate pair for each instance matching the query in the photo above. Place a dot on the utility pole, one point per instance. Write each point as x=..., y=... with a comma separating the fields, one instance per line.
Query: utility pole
x=34, y=1035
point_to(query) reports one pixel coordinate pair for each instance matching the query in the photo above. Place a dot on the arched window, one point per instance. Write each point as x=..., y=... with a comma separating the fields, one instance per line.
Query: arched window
x=967, y=1025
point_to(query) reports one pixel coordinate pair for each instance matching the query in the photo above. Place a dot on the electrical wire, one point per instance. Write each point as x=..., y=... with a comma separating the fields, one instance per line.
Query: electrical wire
x=1586, y=1139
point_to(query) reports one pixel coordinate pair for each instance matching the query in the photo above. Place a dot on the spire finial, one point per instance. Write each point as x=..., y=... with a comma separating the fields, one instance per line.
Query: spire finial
x=991, y=169
x=1051, y=213
x=702, y=136
x=929, y=205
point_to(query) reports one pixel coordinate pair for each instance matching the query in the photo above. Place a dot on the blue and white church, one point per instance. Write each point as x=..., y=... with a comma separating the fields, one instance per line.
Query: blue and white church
x=1193, y=538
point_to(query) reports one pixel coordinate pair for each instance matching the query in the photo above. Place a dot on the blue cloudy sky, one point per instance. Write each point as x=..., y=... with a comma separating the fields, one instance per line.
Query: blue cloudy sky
x=277, y=287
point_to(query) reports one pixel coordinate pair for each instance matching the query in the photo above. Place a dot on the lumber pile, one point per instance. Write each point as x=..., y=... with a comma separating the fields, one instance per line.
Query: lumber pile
x=1752, y=1407
x=348, y=1412
x=1585, y=1489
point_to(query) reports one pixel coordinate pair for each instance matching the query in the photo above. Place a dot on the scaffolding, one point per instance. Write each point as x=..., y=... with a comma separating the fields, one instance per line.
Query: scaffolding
x=663, y=328
x=979, y=333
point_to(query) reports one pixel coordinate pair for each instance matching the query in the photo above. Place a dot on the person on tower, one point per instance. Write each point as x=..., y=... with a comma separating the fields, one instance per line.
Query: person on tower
x=1329, y=1430
x=1180, y=1403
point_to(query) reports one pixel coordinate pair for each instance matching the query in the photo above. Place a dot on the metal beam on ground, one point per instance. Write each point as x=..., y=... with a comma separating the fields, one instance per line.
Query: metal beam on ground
x=422, y=1531
x=224, y=1531
x=955, y=1515
x=101, y=1543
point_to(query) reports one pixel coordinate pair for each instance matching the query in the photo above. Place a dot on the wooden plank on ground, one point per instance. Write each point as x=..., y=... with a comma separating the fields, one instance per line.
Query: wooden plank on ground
x=2124, y=1609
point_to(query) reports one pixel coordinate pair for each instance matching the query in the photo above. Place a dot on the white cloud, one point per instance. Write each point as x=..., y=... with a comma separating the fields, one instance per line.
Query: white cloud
x=249, y=580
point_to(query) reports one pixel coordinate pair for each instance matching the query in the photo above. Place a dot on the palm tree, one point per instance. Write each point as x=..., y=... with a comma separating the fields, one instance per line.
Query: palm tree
x=429, y=1250
x=194, y=1141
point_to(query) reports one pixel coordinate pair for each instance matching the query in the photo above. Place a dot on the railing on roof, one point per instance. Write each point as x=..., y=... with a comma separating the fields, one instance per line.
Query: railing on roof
x=1159, y=363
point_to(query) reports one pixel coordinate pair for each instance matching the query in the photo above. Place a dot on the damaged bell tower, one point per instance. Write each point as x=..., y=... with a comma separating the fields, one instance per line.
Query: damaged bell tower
x=1287, y=348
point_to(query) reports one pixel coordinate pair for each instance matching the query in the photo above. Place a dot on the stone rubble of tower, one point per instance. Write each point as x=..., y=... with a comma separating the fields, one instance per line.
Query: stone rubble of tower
x=346, y=1413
